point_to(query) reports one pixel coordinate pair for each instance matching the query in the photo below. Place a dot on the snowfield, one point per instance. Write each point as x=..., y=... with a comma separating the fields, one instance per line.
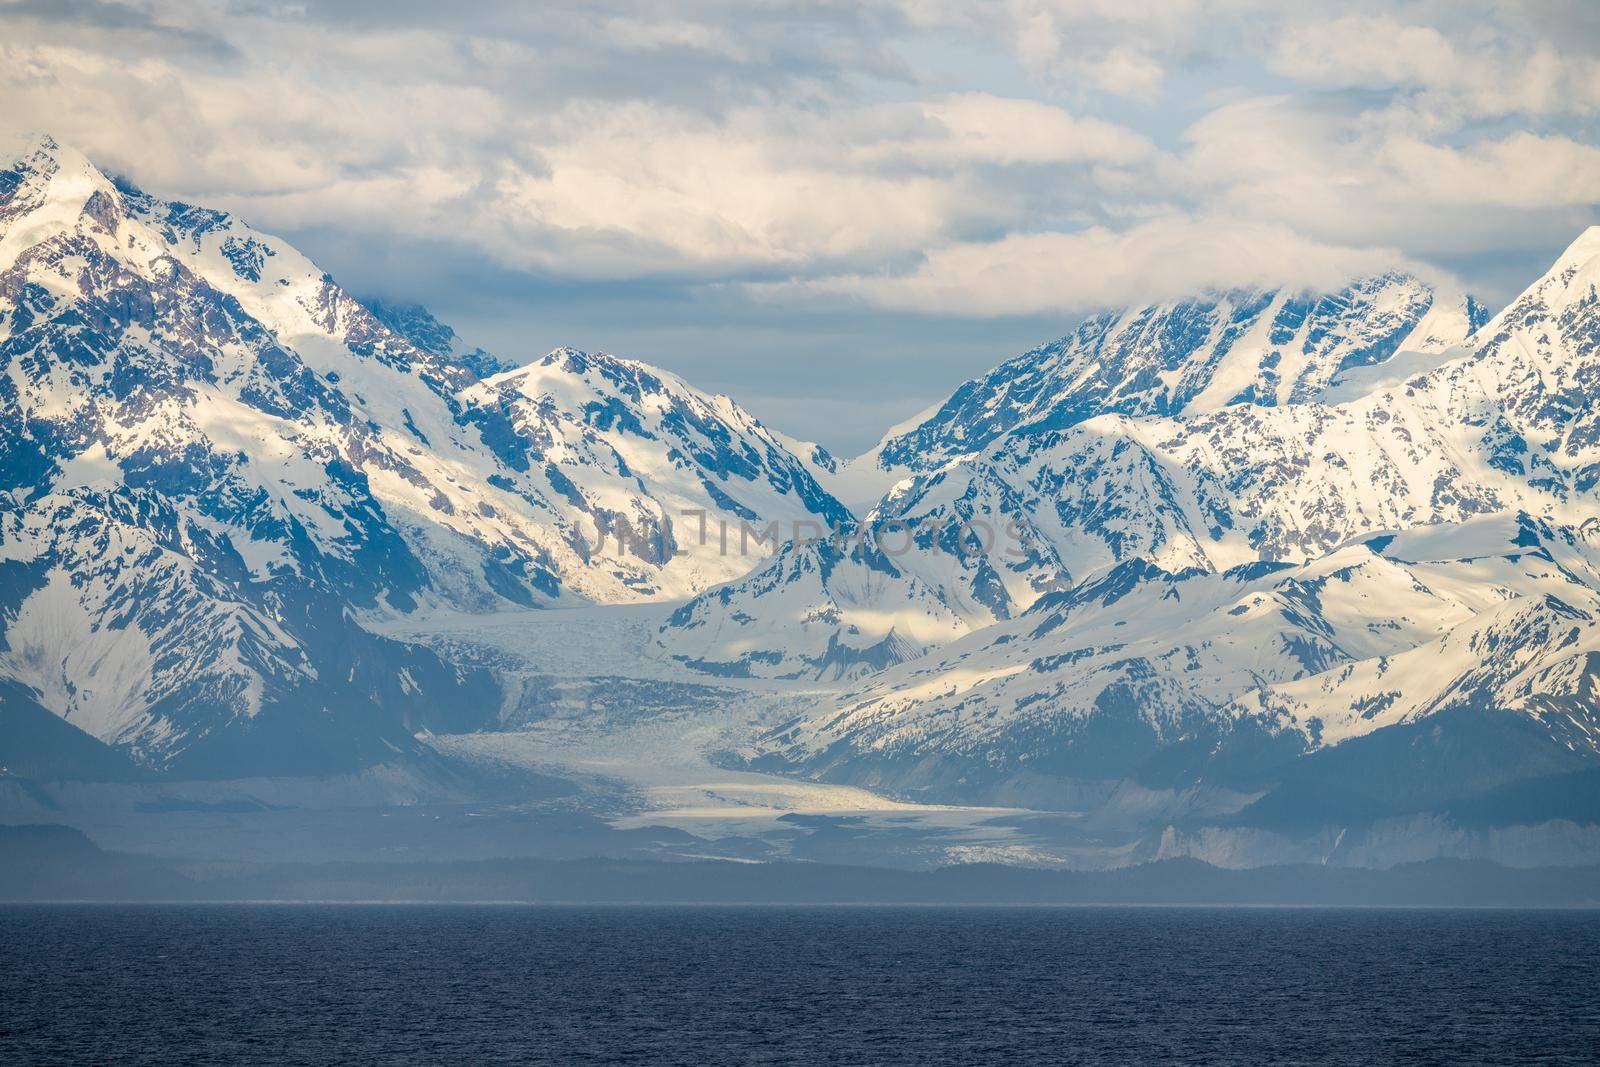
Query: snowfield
x=1251, y=574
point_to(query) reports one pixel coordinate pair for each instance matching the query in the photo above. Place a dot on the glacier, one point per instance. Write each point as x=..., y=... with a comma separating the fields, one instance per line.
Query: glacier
x=1252, y=576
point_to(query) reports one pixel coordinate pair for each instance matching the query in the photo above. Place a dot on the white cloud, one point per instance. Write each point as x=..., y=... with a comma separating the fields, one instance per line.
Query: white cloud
x=729, y=192
x=1466, y=64
x=1040, y=273
x=979, y=128
x=1522, y=170
x=1113, y=46
x=595, y=188
x=725, y=143
x=887, y=161
x=1345, y=173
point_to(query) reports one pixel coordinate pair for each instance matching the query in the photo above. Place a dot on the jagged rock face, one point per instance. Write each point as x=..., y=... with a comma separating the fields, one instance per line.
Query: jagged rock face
x=819, y=616
x=1258, y=347
x=1501, y=612
x=1242, y=584
x=1206, y=546
x=417, y=325
x=688, y=483
x=215, y=463
x=1022, y=483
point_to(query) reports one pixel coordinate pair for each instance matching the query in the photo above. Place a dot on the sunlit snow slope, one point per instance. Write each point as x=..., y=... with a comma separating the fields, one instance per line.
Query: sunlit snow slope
x=214, y=463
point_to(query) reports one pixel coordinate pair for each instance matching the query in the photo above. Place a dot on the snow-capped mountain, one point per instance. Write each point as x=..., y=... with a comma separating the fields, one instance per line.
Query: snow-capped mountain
x=216, y=462
x=1018, y=485
x=1274, y=579
x=668, y=489
x=1245, y=346
x=818, y=613
x=416, y=324
x=1097, y=681
x=1215, y=561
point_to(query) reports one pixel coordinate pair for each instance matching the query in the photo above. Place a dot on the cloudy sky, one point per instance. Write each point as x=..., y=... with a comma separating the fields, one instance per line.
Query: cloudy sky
x=837, y=210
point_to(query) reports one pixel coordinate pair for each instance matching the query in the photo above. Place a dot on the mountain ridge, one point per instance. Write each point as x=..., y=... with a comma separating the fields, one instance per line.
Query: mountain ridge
x=1490, y=453
x=201, y=426
x=967, y=492
x=1187, y=574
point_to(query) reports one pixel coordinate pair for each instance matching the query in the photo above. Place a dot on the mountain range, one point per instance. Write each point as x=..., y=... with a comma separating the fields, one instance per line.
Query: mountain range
x=1251, y=563
x=217, y=463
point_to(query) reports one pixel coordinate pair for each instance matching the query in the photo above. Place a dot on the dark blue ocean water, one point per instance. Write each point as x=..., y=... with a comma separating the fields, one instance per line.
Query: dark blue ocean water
x=322, y=984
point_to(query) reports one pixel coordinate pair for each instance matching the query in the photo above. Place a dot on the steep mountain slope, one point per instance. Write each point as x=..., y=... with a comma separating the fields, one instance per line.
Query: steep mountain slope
x=1536, y=653
x=820, y=614
x=214, y=462
x=671, y=488
x=1258, y=347
x=1239, y=589
x=1092, y=684
x=1020, y=485
x=1246, y=561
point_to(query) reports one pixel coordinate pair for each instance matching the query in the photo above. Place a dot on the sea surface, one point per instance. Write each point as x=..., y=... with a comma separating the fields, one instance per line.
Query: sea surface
x=827, y=985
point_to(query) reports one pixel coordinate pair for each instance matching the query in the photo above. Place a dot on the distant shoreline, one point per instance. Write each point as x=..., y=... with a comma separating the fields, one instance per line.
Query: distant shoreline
x=49, y=863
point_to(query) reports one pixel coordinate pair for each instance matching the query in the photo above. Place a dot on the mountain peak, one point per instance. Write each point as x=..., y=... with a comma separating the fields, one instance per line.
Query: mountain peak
x=289, y=465
x=40, y=153
x=1263, y=347
x=568, y=364
x=415, y=323
x=1572, y=278
x=1586, y=247
x=17, y=145
x=45, y=190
